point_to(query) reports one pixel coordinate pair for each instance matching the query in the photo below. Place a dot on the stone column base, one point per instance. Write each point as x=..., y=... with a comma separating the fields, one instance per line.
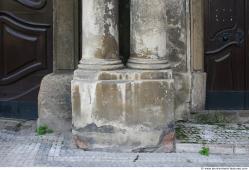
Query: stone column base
x=124, y=111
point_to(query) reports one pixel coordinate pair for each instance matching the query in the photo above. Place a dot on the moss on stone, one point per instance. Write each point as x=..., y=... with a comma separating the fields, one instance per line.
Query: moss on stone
x=211, y=119
x=194, y=113
x=181, y=134
x=42, y=130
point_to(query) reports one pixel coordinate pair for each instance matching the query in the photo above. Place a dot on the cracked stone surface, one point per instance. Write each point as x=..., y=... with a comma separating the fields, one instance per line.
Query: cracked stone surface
x=20, y=146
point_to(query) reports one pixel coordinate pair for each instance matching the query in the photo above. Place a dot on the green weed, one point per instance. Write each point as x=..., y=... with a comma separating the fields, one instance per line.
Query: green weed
x=42, y=130
x=204, y=151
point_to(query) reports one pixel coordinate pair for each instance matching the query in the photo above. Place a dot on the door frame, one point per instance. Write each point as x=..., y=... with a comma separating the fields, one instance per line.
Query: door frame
x=197, y=35
x=197, y=32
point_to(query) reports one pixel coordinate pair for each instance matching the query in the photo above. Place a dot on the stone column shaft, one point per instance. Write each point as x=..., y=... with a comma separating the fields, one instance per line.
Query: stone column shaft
x=100, y=49
x=148, y=35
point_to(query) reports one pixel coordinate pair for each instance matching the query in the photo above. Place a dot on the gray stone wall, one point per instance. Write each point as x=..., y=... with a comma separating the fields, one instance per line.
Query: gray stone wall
x=177, y=34
x=54, y=100
x=66, y=38
x=185, y=52
x=178, y=53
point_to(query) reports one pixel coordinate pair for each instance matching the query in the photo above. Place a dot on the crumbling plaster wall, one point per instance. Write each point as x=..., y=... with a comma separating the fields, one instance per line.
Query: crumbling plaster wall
x=178, y=46
x=186, y=54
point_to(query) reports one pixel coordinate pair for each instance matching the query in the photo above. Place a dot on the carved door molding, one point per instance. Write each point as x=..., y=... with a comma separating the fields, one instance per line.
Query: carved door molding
x=34, y=4
x=25, y=54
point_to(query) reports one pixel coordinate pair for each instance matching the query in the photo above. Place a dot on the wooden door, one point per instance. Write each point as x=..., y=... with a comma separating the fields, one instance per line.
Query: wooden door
x=25, y=54
x=226, y=53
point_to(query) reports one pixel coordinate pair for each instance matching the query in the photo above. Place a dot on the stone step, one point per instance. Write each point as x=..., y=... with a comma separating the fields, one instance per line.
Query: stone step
x=213, y=148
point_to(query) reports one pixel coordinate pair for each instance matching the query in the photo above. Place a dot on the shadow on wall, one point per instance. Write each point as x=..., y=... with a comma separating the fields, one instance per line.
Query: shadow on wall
x=124, y=27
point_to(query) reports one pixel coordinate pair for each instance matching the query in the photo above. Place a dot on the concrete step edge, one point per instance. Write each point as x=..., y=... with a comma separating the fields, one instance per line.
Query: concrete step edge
x=213, y=148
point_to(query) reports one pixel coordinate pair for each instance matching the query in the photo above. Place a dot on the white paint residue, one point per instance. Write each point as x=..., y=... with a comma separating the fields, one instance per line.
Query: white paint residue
x=110, y=5
x=122, y=90
x=89, y=18
x=111, y=26
x=87, y=97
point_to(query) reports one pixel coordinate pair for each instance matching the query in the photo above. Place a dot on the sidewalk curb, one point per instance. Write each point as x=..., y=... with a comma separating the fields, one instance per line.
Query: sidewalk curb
x=213, y=148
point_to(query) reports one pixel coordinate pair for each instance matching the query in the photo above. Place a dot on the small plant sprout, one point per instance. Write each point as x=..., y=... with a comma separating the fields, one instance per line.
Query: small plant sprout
x=42, y=130
x=204, y=151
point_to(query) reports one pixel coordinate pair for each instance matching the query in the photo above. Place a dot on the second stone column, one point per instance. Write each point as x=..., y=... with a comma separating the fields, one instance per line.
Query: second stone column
x=148, y=35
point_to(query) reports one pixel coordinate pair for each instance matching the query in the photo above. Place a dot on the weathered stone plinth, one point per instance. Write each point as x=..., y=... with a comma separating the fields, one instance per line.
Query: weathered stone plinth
x=54, y=104
x=125, y=110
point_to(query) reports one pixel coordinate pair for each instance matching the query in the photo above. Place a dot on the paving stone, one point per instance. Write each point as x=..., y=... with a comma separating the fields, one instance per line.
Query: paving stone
x=241, y=149
x=236, y=134
x=188, y=147
x=56, y=150
x=224, y=149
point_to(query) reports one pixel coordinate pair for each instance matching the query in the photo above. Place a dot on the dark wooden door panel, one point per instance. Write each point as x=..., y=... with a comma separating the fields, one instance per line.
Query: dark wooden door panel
x=225, y=53
x=30, y=40
x=25, y=54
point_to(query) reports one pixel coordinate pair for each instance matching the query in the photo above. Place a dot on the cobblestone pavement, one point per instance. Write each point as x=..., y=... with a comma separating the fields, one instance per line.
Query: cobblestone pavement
x=237, y=134
x=19, y=146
